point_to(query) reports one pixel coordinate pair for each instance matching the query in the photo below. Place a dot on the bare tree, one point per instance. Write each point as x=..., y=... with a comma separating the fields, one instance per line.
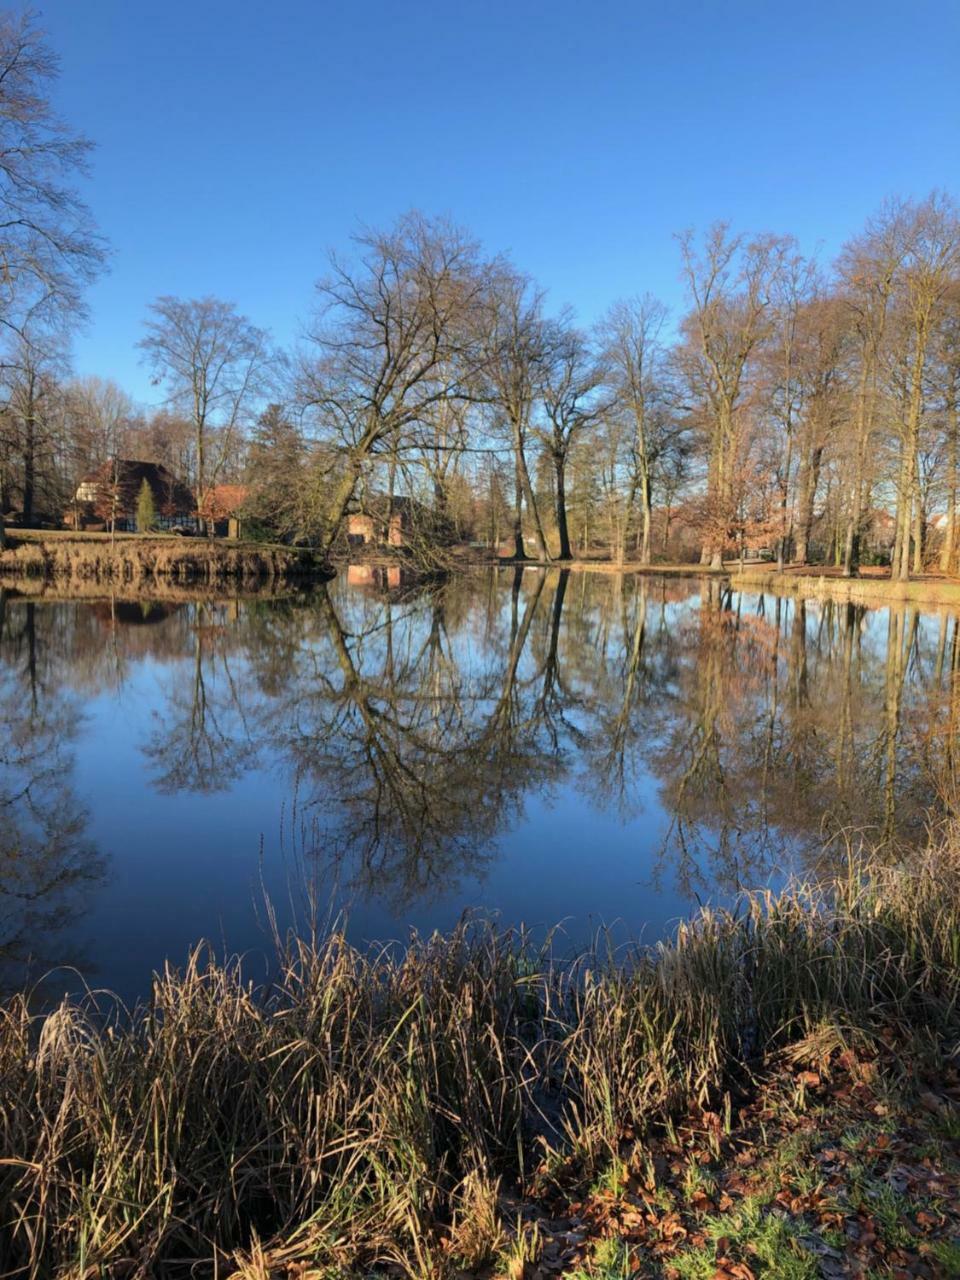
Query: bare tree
x=867, y=271
x=571, y=405
x=948, y=360
x=215, y=366
x=631, y=336
x=930, y=264
x=823, y=345
x=48, y=248
x=729, y=285
x=791, y=288
x=396, y=337
x=518, y=342
x=30, y=382
x=99, y=421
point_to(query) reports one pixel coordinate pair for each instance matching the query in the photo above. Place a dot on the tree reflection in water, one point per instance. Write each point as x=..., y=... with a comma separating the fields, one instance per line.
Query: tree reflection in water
x=45, y=859
x=736, y=734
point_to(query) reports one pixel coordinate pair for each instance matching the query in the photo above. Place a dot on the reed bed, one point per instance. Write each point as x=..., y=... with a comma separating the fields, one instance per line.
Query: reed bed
x=91, y=558
x=372, y=1107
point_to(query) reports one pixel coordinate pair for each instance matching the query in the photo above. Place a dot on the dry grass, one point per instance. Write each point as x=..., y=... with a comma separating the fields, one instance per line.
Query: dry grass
x=133, y=559
x=369, y=1107
x=872, y=589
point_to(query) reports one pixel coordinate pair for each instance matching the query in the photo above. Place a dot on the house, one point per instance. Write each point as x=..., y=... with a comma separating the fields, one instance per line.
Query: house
x=221, y=509
x=108, y=497
x=381, y=521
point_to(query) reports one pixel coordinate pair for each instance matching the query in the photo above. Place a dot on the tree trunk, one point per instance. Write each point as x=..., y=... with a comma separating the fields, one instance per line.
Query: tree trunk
x=646, y=515
x=519, y=550
x=919, y=525
x=783, y=541
x=342, y=495
x=949, y=533
x=809, y=480
x=911, y=495
x=559, y=466
x=29, y=467
x=851, y=549
x=530, y=497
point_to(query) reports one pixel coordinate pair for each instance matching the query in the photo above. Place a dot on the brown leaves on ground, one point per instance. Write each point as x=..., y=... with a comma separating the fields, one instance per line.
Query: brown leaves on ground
x=845, y=1177
x=822, y=1175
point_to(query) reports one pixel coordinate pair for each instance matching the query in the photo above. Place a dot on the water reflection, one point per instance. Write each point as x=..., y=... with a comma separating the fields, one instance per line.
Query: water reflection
x=636, y=741
x=46, y=860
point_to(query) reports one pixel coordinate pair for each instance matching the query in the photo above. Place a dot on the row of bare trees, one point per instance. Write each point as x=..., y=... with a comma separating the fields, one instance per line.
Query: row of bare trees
x=811, y=412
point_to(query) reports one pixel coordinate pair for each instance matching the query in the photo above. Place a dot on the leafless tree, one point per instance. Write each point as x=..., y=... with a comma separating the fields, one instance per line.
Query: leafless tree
x=572, y=404
x=929, y=268
x=48, y=247
x=519, y=342
x=215, y=365
x=823, y=342
x=30, y=381
x=867, y=271
x=396, y=337
x=631, y=334
x=729, y=283
x=791, y=288
x=948, y=362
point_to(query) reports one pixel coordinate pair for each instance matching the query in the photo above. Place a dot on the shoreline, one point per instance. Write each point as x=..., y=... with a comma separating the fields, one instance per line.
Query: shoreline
x=808, y=583
x=43, y=562
x=60, y=558
x=867, y=590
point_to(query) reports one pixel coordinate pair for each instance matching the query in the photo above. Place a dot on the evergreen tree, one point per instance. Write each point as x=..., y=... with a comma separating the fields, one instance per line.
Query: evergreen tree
x=146, y=509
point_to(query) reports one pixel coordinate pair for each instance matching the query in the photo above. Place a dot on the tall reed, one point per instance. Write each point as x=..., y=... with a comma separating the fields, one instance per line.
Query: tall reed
x=366, y=1104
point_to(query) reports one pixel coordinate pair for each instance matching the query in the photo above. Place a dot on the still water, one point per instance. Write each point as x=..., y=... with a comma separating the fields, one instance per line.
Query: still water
x=553, y=748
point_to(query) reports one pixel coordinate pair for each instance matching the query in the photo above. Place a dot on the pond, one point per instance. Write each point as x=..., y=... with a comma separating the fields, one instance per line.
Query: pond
x=585, y=750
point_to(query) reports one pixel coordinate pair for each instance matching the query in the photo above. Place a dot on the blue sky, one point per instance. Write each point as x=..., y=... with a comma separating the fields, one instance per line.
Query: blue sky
x=239, y=140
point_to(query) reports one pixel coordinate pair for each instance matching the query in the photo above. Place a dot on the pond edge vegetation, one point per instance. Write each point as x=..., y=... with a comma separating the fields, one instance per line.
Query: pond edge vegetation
x=399, y=1107
x=144, y=559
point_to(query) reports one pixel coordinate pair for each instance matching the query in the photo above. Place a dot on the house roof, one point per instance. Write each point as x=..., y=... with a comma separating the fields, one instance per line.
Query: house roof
x=170, y=494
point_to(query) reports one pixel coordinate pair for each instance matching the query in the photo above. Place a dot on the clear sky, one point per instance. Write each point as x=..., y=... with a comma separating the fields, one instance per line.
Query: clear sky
x=239, y=140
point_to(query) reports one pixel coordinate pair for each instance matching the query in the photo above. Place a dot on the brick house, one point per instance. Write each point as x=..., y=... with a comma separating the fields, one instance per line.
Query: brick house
x=380, y=522
x=222, y=509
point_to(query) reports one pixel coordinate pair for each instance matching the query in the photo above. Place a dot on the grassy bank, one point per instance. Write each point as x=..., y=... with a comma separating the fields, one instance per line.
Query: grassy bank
x=872, y=589
x=142, y=558
x=444, y=1109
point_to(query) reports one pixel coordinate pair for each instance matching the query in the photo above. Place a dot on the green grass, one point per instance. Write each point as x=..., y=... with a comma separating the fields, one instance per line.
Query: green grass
x=770, y=1245
x=947, y=1256
x=610, y=1261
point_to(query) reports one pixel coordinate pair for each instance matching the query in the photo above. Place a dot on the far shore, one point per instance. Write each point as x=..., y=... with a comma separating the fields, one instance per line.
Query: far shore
x=817, y=582
x=42, y=562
